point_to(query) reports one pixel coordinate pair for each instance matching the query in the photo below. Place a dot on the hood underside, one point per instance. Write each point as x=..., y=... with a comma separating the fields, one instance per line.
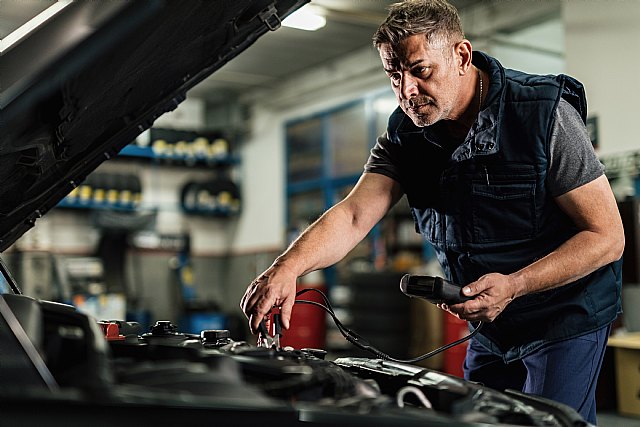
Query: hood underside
x=85, y=84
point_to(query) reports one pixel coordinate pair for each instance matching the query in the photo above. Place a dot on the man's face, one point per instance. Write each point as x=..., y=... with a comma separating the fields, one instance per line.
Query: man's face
x=424, y=77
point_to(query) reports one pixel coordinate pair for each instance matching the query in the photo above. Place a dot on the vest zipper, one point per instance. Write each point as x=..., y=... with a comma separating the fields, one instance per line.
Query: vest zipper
x=486, y=174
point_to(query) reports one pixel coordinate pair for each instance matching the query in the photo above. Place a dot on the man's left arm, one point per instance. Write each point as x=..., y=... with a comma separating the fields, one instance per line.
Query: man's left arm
x=600, y=241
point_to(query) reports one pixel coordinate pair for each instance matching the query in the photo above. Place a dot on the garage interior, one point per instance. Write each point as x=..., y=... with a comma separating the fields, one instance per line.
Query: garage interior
x=177, y=226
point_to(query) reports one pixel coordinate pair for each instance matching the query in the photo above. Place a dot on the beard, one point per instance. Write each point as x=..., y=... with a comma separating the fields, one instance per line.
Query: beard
x=422, y=110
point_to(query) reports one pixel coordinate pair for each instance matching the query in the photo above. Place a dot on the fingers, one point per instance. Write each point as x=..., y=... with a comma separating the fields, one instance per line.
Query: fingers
x=270, y=289
x=476, y=287
x=264, y=306
x=244, y=300
x=468, y=311
x=258, y=309
x=477, y=311
x=285, y=312
x=255, y=303
x=491, y=294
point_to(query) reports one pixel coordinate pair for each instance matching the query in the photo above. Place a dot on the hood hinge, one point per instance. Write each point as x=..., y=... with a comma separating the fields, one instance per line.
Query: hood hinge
x=270, y=17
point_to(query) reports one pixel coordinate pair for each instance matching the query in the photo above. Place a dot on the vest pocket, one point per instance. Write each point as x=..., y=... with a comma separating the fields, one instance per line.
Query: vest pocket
x=503, y=211
x=425, y=221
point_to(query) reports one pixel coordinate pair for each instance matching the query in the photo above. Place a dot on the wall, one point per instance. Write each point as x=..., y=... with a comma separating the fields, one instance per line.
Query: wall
x=262, y=224
x=522, y=34
x=538, y=49
x=601, y=51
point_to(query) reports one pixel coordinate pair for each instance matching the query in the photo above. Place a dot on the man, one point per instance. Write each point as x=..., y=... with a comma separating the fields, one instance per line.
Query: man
x=502, y=179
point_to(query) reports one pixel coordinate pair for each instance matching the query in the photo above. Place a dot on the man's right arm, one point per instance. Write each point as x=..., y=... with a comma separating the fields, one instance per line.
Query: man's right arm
x=322, y=244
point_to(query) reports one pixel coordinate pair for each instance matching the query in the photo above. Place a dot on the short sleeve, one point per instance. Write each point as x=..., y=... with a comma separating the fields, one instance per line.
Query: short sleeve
x=573, y=161
x=384, y=159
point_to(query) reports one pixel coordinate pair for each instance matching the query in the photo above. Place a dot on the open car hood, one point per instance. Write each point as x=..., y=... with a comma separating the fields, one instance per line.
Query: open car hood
x=79, y=88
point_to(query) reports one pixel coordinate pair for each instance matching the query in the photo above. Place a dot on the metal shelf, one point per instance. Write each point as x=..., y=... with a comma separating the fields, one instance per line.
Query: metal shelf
x=218, y=212
x=179, y=158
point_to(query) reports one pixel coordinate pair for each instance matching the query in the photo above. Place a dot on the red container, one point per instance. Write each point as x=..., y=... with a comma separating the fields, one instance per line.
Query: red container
x=454, y=329
x=308, y=327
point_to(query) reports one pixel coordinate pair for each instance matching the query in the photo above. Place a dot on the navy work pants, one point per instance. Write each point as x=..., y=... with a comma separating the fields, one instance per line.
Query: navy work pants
x=565, y=371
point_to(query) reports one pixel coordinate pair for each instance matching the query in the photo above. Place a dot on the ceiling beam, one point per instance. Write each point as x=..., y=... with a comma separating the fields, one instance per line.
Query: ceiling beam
x=488, y=18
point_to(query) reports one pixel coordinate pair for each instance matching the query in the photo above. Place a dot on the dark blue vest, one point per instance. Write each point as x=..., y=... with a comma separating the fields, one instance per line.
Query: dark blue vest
x=485, y=207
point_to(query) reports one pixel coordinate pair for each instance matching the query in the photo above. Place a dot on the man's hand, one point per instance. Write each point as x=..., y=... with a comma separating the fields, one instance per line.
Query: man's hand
x=322, y=244
x=491, y=295
x=276, y=287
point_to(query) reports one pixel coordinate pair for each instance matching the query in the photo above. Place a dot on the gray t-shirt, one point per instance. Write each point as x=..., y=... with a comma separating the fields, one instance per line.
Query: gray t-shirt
x=573, y=161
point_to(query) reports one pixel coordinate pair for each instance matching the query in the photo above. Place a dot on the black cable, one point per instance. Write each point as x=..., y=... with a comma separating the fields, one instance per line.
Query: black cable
x=318, y=291
x=363, y=344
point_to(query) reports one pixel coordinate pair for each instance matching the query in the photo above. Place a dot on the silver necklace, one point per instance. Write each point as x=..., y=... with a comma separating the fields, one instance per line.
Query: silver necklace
x=480, y=101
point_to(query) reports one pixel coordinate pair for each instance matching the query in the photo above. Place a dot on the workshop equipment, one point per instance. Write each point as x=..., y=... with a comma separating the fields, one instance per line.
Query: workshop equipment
x=434, y=289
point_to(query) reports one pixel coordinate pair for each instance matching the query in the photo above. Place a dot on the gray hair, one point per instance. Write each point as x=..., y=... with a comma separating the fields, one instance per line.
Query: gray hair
x=438, y=20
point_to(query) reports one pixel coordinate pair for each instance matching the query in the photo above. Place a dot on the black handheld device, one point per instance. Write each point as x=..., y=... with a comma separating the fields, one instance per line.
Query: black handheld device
x=434, y=289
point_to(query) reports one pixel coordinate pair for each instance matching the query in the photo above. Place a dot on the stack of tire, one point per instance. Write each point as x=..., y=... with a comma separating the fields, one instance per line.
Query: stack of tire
x=380, y=312
x=107, y=191
x=217, y=197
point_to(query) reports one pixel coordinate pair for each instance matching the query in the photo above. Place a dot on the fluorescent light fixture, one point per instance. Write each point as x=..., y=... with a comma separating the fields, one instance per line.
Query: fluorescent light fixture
x=306, y=18
x=32, y=24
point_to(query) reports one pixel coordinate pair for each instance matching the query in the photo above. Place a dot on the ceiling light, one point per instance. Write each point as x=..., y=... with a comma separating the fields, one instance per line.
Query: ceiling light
x=305, y=18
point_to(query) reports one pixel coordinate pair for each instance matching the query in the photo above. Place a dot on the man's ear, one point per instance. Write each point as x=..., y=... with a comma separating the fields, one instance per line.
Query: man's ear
x=462, y=53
